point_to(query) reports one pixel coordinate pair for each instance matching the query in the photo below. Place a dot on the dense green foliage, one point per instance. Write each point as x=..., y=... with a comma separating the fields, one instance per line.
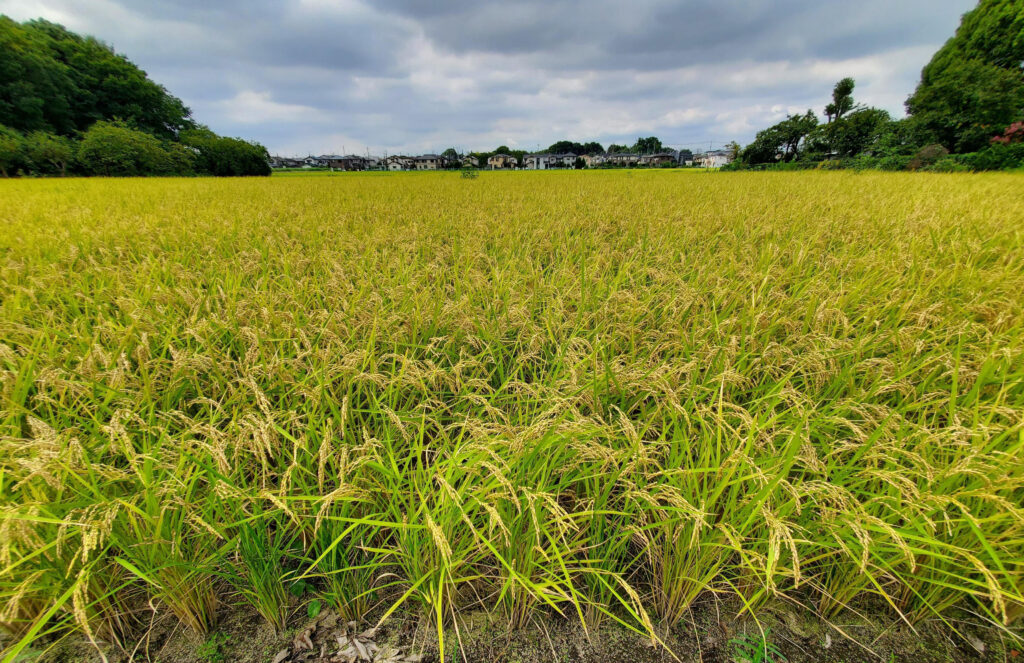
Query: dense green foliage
x=56, y=81
x=974, y=84
x=71, y=104
x=221, y=156
x=568, y=146
x=969, y=94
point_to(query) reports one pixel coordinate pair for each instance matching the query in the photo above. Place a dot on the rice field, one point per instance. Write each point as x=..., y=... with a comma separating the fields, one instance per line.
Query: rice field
x=591, y=395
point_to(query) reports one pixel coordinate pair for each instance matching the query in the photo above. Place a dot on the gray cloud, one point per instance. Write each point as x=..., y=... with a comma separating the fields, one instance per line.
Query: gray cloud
x=404, y=75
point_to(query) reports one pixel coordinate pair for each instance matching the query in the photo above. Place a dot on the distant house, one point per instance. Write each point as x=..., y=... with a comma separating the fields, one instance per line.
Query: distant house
x=285, y=162
x=310, y=162
x=546, y=161
x=713, y=159
x=429, y=162
x=502, y=162
x=623, y=159
x=593, y=160
x=657, y=159
x=346, y=162
x=399, y=162
x=470, y=161
x=538, y=161
x=324, y=160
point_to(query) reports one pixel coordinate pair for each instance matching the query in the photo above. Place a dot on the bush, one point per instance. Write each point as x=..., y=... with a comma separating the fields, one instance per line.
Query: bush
x=998, y=156
x=12, y=151
x=49, y=154
x=948, y=164
x=927, y=156
x=226, y=157
x=113, y=149
x=893, y=162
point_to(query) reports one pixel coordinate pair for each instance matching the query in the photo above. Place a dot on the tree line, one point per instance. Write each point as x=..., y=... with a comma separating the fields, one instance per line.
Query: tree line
x=71, y=105
x=965, y=114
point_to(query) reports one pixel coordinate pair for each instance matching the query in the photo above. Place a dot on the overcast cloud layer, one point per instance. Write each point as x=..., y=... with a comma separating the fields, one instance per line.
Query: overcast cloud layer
x=314, y=76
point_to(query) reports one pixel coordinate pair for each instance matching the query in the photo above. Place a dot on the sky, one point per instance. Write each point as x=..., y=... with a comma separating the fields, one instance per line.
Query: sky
x=412, y=76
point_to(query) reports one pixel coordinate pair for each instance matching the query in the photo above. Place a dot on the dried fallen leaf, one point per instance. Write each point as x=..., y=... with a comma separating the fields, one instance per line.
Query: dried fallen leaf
x=281, y=655
x=303, y=641
x=363, y=654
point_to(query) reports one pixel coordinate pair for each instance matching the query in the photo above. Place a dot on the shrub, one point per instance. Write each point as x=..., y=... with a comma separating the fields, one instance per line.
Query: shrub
x=225, y=157
x=12, y=149
x=49, y=154
x=114, y=149
x=948, y=164
x=926, y=156
x=998, y=156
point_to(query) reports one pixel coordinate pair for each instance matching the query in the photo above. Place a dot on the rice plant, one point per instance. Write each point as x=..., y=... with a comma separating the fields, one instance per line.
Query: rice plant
x=576, y=394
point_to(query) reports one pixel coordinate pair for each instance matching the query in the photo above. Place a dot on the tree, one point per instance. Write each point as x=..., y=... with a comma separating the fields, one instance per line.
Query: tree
x=613, y=148
x=225, y=157
x=857, y=132
x=57, y=81
x=649, y=145
x=967, y=103
x=974, y=86
x=781, y=141
x=49, y=152
x=842, y=100
x=732, y=148
x=450, y=154
x=114, y=149
x=565, y=147
x=11, y=150
x=34, y=86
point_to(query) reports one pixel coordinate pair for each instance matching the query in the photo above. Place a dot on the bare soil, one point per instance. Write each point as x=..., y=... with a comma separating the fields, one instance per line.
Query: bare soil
x=711, y=634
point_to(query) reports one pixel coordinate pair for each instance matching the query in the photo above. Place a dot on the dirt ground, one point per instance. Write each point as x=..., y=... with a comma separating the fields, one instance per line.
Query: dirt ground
x=711, y=634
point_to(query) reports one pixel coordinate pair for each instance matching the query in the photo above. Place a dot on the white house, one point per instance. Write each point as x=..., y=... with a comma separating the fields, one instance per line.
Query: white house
x=398, y=162
x=713, y=159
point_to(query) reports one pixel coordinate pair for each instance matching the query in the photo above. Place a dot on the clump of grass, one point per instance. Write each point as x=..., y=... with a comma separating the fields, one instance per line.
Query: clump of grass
x=575, y=393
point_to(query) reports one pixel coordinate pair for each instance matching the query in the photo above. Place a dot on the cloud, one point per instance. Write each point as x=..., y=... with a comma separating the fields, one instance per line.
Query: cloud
x=251, y=107
x=403, y=75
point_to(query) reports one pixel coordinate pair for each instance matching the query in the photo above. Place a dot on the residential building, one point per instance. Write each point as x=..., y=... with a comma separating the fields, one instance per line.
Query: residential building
x=399, y=162
x=347, y=162
x=623, y=159
x=657, y=159
x=470, y=161
x=713, y=159
x=429, y=162
x=502, y=162
x=285, y=162
x=538, y=161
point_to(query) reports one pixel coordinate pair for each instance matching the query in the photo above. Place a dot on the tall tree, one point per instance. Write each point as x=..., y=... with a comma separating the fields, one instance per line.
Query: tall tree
x=11, y=150
x=649, y=145
x=842, y=100
x=54, y=80
x=781, y=141
x=973, y=87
